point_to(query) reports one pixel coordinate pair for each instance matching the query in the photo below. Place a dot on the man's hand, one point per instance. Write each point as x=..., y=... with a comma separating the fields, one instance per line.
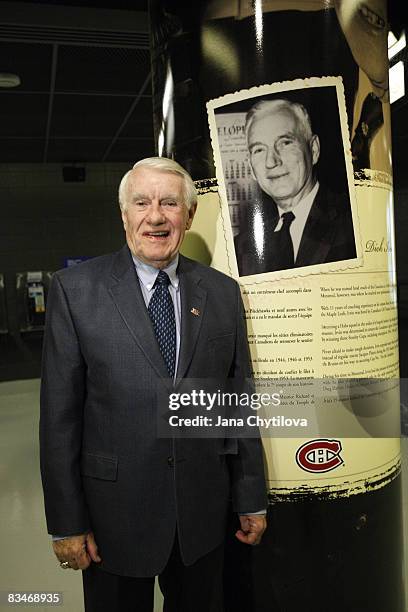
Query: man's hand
x=78, y=550
x=252, y=528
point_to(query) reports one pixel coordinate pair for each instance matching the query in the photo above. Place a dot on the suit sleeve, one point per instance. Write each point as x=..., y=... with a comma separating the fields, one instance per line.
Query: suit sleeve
x=61, y=416
x=246, y=467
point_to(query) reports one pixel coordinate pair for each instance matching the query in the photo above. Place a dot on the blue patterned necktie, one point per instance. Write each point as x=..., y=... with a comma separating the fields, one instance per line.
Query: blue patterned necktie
x=161, y=311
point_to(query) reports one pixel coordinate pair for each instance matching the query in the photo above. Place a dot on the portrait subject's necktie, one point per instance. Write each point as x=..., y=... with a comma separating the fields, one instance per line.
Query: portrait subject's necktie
x=161, y=311
x=286, y=254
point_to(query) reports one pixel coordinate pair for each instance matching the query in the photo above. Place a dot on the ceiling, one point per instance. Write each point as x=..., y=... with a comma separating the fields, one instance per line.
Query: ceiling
x=85, y=93
x=133, y=5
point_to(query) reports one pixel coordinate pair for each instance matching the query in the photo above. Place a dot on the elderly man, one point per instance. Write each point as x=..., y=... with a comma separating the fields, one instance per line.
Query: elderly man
x=123, y=504
x=298, y=222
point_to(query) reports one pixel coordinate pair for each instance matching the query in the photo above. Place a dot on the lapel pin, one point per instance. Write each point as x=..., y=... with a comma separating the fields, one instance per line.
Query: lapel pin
x=195, y=312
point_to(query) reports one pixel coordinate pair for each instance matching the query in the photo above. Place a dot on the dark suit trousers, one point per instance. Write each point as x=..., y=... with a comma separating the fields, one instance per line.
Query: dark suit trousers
x=193, y=588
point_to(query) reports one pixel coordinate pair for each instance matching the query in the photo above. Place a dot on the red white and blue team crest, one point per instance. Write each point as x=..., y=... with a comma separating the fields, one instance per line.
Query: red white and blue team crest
x=319, y=456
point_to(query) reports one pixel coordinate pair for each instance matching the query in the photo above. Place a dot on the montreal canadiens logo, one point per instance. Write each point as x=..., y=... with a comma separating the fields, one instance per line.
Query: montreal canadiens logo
x=319, y=456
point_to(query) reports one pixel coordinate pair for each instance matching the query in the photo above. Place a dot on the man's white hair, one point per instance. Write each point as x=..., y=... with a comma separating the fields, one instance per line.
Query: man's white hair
x=269, y=107
x=163, y=164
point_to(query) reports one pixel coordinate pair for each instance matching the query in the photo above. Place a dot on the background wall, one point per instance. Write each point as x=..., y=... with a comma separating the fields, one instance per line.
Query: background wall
x=401, y=233
x=42, y=221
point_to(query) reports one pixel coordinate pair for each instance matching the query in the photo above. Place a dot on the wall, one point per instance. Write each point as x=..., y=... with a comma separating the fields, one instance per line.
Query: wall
x=401, y=233
x=42, y=221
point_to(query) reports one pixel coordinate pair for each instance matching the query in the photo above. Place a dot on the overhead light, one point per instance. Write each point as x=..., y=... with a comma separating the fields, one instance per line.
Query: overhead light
x=395, y=45
x=397, y=82
x=9, y=80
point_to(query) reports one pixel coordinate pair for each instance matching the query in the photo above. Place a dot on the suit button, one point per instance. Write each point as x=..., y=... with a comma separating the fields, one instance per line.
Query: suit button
x=170, y=461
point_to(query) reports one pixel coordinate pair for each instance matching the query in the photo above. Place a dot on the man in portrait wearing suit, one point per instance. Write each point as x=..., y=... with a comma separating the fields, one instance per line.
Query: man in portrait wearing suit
x=123, y=504
x=296, y=221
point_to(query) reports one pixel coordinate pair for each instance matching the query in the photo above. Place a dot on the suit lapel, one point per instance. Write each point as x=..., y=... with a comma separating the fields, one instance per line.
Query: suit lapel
x=193, y=299
x=127, y=296
x=318, y=232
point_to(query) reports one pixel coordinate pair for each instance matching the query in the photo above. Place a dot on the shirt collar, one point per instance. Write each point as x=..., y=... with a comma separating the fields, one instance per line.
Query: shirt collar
x=301, y=211
x=147, y=274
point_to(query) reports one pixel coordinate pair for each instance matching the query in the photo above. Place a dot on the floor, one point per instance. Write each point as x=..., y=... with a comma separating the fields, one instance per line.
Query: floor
x=26, y=558
x=27, y=562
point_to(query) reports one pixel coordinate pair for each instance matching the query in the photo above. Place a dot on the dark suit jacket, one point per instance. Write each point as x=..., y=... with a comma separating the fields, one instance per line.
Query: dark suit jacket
x=328, y=235
x=103, y=466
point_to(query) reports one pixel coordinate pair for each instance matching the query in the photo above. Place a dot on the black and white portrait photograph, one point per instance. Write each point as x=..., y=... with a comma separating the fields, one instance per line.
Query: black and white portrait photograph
x=283, y=170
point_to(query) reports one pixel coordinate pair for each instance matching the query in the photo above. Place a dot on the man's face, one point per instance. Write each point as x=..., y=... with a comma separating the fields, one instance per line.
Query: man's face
x=156, y=216
x=281, y=159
